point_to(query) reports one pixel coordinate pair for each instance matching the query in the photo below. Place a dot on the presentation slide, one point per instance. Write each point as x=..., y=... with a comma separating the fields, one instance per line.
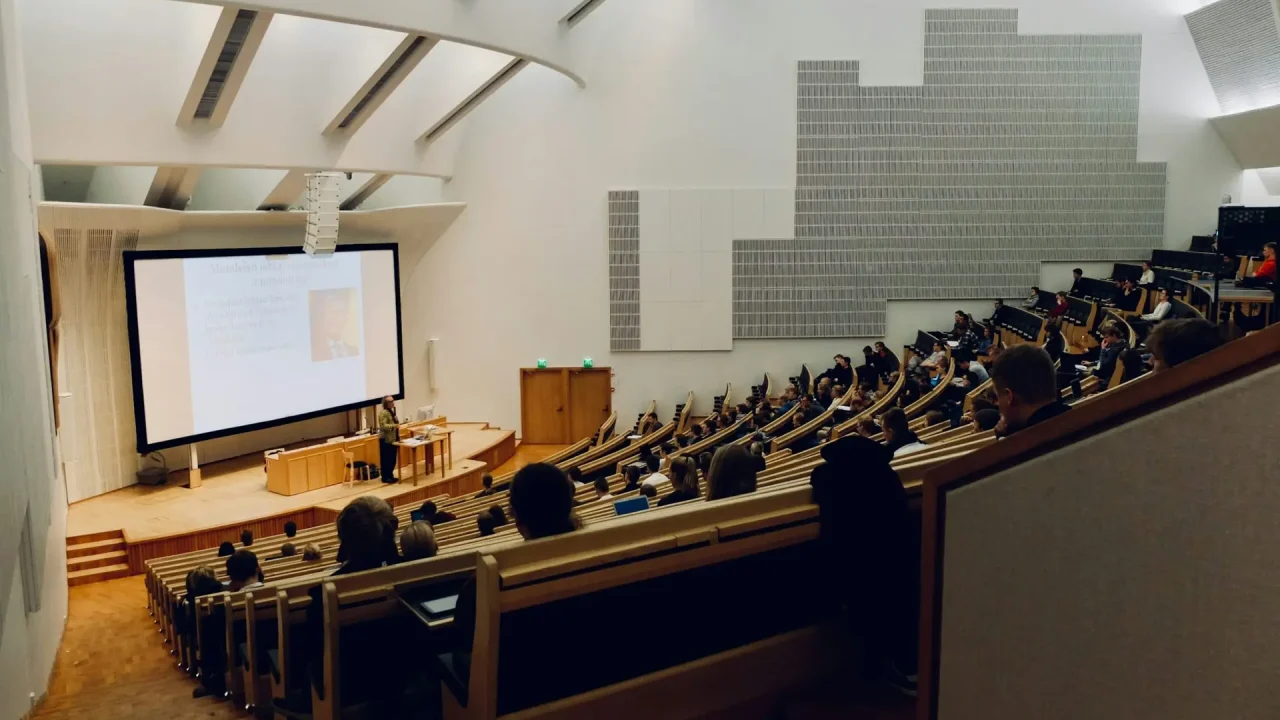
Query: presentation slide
x=223, y=343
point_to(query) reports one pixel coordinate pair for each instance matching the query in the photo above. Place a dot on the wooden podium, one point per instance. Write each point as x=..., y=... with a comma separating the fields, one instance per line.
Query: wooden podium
x=290, y=472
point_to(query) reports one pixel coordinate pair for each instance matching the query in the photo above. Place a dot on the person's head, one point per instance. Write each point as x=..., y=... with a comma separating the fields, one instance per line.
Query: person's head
x=288, y=550
x=937, y=347
x=971, y=380
x=805, y=401
x=485, y=523
x=602, y=487
x=730, y=414
x=824, y=384
x=646, y=452
x=880, y=348
x=896, y=427
x=842, y=361
x=1146, y=266
x=1077, y=273
x=498, y=514
x=1025, y=380
x=988, y=332
x=1269, y=251
x=652, y=463
x=487, y=480
x=1164, y=295
x=290, y=528
x=985, y=419
x=202, y=581
x=311, y=553
x=696, y=431
x=986, y=400
x=1174, y=342
x=994, y=351
x=542, y=501
x=683, y=473
x=1062, y=297
x=649, y=491
x=1127, y=284
x=998, y=303
x=226, y=548
x=868, y=428
x=428, y=510
x=632, y=474
x=866, y=350
x=242, y=566
x=1035, y=290
x=246, y=537
x=837, y=390
x=418, y=541
x=934, y=417
x=389, y=403
x=666, y=448
x=1131, y=359
x=367, y=532
x=733, y=472
x=1112, y=334
x=704, y=463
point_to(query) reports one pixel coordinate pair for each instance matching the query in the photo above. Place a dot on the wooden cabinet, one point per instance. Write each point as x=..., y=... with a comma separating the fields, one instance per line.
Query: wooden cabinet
x=563, y=405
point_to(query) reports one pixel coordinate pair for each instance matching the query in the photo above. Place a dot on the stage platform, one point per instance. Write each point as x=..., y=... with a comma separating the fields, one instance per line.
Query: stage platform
x=170, y=519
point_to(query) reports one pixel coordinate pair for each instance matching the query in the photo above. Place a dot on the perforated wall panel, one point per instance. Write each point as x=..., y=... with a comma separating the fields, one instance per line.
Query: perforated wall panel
x=1239, y=44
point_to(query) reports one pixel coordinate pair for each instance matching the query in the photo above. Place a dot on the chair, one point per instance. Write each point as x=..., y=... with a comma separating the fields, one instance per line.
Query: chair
x=349, y=460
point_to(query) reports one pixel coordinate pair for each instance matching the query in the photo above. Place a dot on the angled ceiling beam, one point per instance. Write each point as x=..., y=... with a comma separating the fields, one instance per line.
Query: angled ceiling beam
x=363, y=192
x=172, y=187
x=486, y=89
x=286, y=192
x=381, y=84
x=580, y=12
x=235, y=40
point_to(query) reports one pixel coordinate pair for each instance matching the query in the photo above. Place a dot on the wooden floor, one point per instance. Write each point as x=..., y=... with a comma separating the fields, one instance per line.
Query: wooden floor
x=113, y=665
x=234, y=491
x=526, y=454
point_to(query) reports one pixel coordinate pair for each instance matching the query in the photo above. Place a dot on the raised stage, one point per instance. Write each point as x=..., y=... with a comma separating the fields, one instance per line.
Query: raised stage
x=169, y=519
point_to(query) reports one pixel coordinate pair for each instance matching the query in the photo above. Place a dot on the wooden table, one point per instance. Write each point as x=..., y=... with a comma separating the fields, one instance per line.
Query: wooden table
x=290, y=472
x=443, y=436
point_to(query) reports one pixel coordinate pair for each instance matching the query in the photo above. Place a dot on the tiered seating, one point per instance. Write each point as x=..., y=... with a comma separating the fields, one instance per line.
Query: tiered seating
x=1019, y=326
x=1187, y=261
x=1101, y=291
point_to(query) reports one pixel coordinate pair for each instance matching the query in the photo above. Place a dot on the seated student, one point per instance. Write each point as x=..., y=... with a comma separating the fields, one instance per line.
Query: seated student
x=837, y=396
x=242, y=571
x=695, y=433
x=1128, y=297
x=960, y=326
x=498, y=514
x=822, y=395
x=898, y=437
x=418, y=541
x=602, y=489
x=1054, y=343
x=649, y=491
x=985, y=419
x=1077, y=276
x=704, y=464
x=664, y=454
x=1134, y=365
x=288, y=550
x=868, y=428
x=840, y=374
x=1113, y=343
x=290, y=528
x=1025, y=382
x=868, y=371
x=311, y=553
x=1033, y=299
x=1267, y=269
x=788, y=399
x=1061, y=308
x=226, y=549
x=988, y=339
x=1148, y=276
x=934, y=417
x=211, y=660
x=1142, y=324
x=632, y=475
x=733, y=472
x=1174, y=342
x=887, y=364
x=684, y=482
x=937, y=356
x=997, y=307
x=434, y=516
x=486, y=480
x=807, y=412
x=966, y=364
x=246, y=538
x=485, y=523
x=655, y=477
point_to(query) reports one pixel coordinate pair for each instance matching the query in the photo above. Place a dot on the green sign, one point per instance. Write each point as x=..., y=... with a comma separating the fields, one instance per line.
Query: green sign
x=542, y=363
x=588, y=362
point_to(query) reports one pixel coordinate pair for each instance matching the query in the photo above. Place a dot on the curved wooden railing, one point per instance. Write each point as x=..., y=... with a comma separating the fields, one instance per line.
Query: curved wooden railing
x=686, y=414
x=810, y=427
x=606, y=428
x=630, y=452
x=1087, y=419
x=877, y=408
x=920, y=406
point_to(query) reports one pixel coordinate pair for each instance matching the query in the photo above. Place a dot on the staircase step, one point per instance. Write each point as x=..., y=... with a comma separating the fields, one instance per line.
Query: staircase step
x=91, y=537
x=93, y=547
x=84, y=562
x=108, y=572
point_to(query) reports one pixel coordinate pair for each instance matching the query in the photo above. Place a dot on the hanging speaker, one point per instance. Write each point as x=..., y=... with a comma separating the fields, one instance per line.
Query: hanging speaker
x=321, y=201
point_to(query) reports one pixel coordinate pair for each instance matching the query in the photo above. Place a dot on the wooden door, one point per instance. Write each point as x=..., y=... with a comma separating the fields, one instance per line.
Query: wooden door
x=590, y=400
x=544, y=406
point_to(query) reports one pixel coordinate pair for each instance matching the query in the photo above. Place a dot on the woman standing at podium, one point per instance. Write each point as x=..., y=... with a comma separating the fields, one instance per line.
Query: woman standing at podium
x=389, y=427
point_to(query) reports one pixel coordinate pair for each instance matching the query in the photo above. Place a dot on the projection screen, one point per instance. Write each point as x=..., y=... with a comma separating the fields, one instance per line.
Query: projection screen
x=228, y=341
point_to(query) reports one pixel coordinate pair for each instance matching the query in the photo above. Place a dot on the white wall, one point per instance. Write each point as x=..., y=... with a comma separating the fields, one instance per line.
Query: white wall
x=233, y=188
x=1255, y=191
x=702, y=95
x=120, y=185
x=403, y=190
x=31, y=489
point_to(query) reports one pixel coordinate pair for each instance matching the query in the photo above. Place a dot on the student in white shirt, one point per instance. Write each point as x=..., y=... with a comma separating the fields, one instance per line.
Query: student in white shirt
x=602, y=489
x=1148, y=275
x=1162, y=308
x=655, y=478
x=898, y=437
x=932, y=361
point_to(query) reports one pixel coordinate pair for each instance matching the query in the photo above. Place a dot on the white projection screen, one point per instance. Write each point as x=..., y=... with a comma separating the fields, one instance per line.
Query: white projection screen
x=228, y=341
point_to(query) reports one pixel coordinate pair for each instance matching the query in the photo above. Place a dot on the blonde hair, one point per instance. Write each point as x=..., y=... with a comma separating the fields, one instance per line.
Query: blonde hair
x=418, y=541
x=733, y=472
x=311, y=552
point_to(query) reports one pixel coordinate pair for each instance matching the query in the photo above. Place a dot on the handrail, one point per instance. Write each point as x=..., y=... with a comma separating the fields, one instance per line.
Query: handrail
x=876, y=408
x=810, y=427
x=925, y=402
x=686, y=413
x=1105, y=411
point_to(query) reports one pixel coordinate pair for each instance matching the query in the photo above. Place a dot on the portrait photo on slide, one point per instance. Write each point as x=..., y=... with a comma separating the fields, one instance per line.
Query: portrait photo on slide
x=335, y=329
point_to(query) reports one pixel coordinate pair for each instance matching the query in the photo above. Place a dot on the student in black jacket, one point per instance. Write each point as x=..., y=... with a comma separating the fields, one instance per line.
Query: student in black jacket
x=1025, y=382
x=841, y=374
x=886, y=362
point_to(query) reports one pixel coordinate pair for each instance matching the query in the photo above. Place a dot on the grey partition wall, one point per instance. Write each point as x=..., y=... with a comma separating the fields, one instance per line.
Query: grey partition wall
x=1016, y=149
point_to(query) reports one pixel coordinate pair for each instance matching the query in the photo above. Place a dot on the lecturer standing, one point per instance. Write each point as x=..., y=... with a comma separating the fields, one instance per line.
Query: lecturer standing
x=389, y=427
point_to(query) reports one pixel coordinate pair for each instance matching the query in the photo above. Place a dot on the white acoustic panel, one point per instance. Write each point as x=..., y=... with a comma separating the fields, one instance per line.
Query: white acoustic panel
x=748, y=213
x=717, y=220
x=655, y=220
x=686, y=219
x=686, y=276
x=655, y=276
x=779, y=214
x=655, y=326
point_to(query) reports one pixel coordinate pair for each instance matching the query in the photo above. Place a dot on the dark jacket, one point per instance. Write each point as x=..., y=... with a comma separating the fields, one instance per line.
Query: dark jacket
x=1107, y=358
x=1048, y=412
x=839, y=375
x=677, y=496
x=887, y=363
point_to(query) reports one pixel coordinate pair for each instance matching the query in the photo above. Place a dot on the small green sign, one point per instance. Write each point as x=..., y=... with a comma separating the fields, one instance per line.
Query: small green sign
x=542, y=363
x=588, y=362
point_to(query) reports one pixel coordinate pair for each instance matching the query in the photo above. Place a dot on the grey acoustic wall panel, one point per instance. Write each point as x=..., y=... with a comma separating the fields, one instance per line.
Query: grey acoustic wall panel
x=1015, y=150
x=1239, y=44
x=624, y=270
